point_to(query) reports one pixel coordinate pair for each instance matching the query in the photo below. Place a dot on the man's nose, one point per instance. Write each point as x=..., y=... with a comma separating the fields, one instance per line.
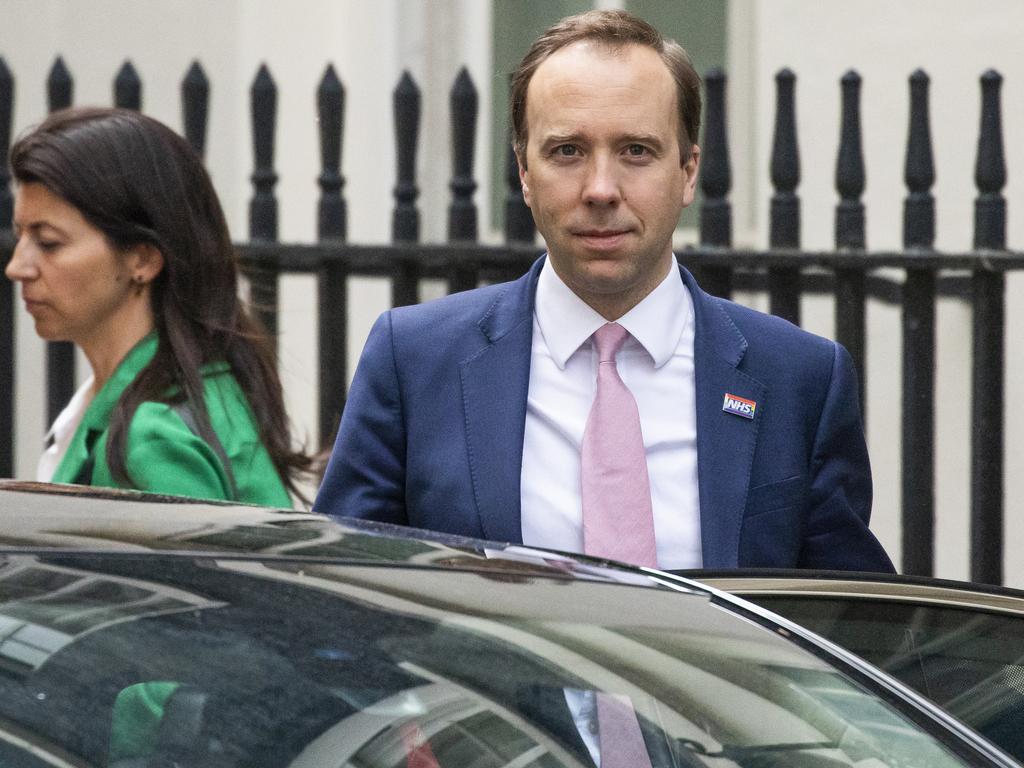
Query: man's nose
x=21, y=266
x=602, y=184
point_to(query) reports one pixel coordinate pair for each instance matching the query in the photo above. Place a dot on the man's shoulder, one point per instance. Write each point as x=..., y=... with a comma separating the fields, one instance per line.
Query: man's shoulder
x=771, y=339
x=471, y=304
x=491, y=310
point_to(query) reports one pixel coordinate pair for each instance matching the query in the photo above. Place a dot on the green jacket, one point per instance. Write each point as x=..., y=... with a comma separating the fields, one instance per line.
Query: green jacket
x=163, y=454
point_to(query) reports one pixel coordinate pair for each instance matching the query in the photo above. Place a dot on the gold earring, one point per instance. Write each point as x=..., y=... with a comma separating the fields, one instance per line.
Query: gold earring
x=140, y=284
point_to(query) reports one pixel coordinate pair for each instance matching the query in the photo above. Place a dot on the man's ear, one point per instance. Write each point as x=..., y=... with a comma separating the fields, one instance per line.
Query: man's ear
x=524, y=177
x=690, y=170
x=145, y=262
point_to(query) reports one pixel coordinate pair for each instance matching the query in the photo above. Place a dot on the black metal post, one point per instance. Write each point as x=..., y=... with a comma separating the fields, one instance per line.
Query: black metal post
x=263, y=206
x=6, y=287
x=332, y=226
x=128, y=88
x=405, y=221
x=850, y=182
x=332, y=221
x=989, y=331
x=784, y=282
x=195, y=106
x=919, y=344
x=519, y=224
x=60, y=86
x=60, y=355
x=715, y=183
x=462, y=222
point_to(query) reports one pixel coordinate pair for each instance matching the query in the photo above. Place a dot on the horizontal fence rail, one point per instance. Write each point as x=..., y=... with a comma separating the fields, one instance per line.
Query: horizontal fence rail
x=851, y=273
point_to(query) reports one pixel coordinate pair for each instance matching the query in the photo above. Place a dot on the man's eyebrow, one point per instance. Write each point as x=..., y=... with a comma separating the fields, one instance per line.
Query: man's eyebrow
x=561, y=138
x=642, y=138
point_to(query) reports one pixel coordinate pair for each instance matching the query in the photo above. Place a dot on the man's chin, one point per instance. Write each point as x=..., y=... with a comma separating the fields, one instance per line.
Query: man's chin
x=605, y=277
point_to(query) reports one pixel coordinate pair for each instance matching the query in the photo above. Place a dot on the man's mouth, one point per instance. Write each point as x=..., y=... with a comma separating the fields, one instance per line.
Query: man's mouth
x=602, y=238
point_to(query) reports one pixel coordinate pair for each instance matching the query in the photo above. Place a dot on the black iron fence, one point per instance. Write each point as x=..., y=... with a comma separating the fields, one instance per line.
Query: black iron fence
x=850, y=272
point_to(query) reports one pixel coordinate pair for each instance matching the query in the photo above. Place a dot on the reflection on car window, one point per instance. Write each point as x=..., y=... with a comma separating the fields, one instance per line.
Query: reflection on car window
x=231, y=663
x=971, y=662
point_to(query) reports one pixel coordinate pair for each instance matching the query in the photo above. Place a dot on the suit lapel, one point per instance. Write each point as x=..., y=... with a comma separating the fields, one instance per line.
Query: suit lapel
x=725, y=441
x=70, y=469
x=495, y=383
x=96, y=419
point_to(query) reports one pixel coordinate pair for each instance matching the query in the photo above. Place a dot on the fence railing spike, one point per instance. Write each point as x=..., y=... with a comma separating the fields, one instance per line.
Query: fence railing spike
x=332, y=218
x=988, y=359
x=918, y=446
x=263, y=206
x=784, y=225
x=405, y=223
x=716, y=182
x=128, y=87
x=462, y=216
x=60, y=86
x=519, y=224
x=405, y=220
x=195, y=106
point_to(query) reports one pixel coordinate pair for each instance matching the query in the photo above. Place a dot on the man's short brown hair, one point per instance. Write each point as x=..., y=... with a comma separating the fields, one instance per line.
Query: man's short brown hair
x=614, y=29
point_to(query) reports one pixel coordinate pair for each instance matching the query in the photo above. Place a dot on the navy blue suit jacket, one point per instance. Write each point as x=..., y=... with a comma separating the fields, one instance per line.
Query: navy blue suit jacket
x=432, y=433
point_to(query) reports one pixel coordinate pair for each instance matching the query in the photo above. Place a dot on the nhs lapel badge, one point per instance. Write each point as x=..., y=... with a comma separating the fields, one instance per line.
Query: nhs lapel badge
x=739, y=406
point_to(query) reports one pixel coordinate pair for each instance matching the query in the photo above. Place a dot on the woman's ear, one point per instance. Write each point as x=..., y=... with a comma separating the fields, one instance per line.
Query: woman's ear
x=145, y=262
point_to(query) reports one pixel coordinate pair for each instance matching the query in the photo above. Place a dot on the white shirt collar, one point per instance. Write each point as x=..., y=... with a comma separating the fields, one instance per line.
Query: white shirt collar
x=657, y=322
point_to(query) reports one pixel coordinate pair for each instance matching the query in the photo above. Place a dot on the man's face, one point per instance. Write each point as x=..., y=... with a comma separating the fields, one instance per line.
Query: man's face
x=603, y=174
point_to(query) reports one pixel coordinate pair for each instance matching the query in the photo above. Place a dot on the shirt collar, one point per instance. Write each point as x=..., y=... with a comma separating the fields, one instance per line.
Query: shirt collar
x=657, y=322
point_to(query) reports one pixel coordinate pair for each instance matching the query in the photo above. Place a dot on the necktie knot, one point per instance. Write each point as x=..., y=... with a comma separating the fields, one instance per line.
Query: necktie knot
x=609, y=339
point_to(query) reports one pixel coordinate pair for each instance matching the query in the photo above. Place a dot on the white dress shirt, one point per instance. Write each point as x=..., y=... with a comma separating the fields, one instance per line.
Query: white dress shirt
x=64, y=427
x=583, y=710
x=657, y=366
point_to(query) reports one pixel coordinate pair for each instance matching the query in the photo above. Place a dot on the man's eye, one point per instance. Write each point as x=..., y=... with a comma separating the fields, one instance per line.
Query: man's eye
x=48, y=245
x=566, y=150
x=636, y=150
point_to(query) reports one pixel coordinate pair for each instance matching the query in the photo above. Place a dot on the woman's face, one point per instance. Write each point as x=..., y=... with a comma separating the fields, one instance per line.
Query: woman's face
x=75, y=285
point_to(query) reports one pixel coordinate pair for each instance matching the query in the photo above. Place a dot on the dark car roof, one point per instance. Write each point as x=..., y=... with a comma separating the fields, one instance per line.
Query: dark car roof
x=45, y=517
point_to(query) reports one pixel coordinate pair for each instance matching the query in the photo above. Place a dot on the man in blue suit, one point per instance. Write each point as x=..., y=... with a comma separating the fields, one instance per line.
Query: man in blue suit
x=469, y=414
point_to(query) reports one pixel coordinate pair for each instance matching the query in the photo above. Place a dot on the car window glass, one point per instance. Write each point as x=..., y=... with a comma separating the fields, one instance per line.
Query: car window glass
x=969, y=661
x=137, y=662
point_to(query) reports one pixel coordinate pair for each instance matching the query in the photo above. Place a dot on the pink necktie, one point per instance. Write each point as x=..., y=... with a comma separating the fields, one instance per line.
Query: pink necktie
x=619, y=737
x=617, y=520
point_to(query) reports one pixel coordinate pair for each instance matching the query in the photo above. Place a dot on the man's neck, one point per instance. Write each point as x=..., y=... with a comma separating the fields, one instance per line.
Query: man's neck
x=612, y=306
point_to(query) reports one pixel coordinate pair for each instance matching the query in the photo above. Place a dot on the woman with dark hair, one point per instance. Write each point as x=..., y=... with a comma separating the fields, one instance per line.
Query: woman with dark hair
x=122, y=248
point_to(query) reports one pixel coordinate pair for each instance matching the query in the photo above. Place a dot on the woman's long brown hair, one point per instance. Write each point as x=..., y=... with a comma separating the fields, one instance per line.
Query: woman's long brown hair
x=139, y=182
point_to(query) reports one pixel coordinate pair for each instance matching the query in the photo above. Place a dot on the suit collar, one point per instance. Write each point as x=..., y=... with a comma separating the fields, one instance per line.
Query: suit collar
x=725, y=442
x=713, y=325
x=512, y=307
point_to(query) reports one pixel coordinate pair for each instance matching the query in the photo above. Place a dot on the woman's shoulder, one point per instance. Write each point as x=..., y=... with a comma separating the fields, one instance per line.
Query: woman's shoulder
x=222, y=396
x=167, y=435
x=228, y=409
